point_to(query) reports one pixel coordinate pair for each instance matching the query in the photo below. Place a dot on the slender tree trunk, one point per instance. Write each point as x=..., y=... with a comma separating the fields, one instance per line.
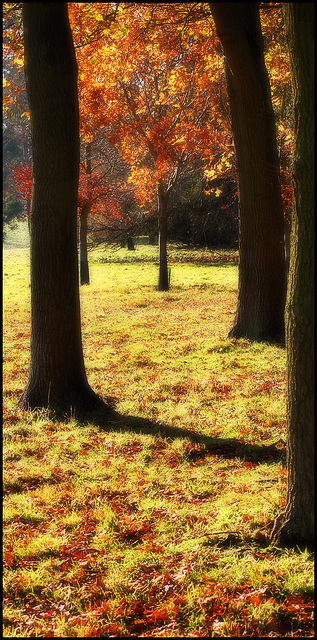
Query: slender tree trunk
x=262, y=267
x=83, y=252
x=163, y=284
x=83, y=222
x=57, y=377
x=296, y=524
x=130, y=244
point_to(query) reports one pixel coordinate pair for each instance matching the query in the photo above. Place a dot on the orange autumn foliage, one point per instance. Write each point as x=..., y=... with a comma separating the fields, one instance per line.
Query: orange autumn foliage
x=156, y=86
x=151, y=78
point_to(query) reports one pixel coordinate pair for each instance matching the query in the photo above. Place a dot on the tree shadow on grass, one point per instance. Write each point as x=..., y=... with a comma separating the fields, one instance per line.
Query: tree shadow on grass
x=112, y=421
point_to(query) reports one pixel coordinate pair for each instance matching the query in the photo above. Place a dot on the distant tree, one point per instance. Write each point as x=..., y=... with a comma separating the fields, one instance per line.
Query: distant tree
x=204, y=212
x=84, y=210
x=12, y=207
x=106, y=203
x=23, y=184
x=16, y=141
x=262, y=266
x=57, y=377
x=296, y=524
x=152, y=81
x=16, y=135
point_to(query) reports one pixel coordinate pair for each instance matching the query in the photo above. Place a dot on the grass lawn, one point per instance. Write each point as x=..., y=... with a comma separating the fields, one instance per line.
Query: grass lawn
x=152, y=524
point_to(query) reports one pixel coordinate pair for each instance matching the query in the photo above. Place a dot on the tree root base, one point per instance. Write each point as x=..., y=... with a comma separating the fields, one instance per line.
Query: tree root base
x=81, y=406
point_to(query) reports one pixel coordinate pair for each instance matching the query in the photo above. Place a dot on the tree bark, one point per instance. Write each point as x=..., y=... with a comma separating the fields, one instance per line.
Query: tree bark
x=163, y=284
x=83, y=249
x=57, y=377
x=296, y=524
x=262, y=267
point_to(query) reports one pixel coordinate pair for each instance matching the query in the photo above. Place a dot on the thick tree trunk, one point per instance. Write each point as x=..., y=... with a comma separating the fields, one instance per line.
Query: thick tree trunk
x=287, y=240
x=57, y=377
x=296, y=524
x=83, y=250
x=262, y=267
x=163, y=284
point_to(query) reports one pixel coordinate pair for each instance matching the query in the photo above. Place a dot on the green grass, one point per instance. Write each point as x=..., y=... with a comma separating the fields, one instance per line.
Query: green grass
x=176, y=253
x=17, y=236
x=147, y=525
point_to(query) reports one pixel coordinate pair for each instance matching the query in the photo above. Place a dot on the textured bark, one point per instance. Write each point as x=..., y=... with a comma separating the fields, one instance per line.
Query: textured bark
x=57, y=377
x=262, y=267
x=296, y=524
x=163, y=284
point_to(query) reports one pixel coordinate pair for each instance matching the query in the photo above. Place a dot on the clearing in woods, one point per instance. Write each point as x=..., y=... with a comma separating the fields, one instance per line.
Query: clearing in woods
x=152, y=523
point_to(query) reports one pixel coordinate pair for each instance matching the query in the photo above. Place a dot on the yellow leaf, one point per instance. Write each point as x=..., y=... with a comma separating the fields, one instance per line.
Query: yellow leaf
x=210, y=173
x=161, y=99
x=19, y=61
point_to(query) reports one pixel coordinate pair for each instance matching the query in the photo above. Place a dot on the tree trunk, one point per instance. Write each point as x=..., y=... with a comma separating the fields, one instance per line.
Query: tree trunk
x=163, y=284
x=83, y=220
x=57, y=377
x=130, y=244
x=287, y=240
x=296, y=524
x=262, y=267
x=83, y=253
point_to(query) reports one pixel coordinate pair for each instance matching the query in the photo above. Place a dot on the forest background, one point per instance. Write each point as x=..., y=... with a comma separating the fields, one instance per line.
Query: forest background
x=118, y=602
x=164, y=96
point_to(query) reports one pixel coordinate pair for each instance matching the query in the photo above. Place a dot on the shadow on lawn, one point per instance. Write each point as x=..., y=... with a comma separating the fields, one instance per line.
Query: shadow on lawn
x=111, y=420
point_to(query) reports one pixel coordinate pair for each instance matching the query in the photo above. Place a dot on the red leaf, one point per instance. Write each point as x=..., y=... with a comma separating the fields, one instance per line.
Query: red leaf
x=158, y=616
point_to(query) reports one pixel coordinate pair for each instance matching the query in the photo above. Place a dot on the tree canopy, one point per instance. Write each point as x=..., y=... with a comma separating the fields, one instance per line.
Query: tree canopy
x=152, y=82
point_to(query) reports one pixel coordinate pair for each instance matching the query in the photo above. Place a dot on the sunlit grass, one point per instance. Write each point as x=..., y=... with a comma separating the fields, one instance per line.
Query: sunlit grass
x=148, y=525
